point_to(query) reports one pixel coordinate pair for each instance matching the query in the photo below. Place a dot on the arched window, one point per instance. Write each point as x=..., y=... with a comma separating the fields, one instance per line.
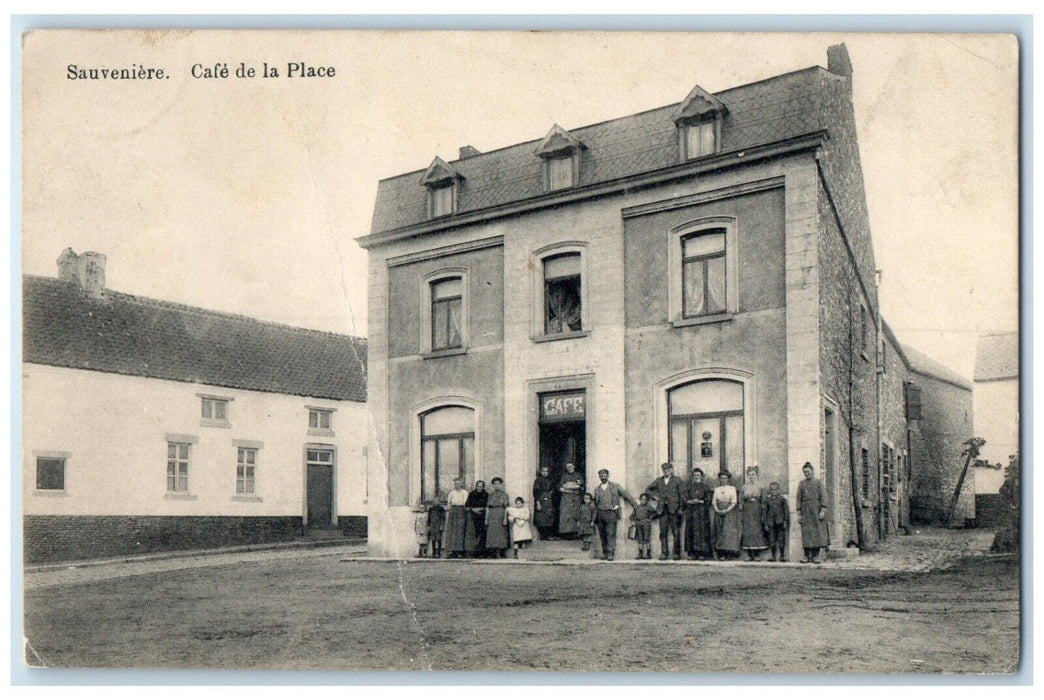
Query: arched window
x=447, y=449
x=706, y=427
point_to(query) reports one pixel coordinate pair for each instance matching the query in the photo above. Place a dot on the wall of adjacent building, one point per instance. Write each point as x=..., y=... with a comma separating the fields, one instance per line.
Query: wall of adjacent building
x=114, y=430
x=996, y=416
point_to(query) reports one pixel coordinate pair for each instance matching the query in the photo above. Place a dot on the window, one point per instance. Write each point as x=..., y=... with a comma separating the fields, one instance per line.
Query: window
x=560, y=151
x=706, y=428
x=177, y=467
x=50, y=473
x=447, y=449
x=703, y=273
x=700, y=139
x=446, y=314
x=319, y=418
x=866, y=474
x=563, y=307
x=442, y=182
x=864, y=332
x=246, y=463
x=214, y=411
x=698, y=118
x=442, y=200
x=560, y=172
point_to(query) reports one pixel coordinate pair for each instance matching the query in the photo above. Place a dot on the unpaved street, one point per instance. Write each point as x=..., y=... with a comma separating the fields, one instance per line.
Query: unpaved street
x=322, y=610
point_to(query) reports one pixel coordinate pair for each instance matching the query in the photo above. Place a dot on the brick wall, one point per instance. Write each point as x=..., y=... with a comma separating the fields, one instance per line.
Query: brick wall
x=52, y=538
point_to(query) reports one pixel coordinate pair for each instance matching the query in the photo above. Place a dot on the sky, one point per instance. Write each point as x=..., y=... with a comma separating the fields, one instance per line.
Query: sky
x=245, y=195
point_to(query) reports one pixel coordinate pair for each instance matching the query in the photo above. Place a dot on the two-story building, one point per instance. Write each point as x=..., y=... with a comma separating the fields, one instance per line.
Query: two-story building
x=694, y=283
x=150, y=425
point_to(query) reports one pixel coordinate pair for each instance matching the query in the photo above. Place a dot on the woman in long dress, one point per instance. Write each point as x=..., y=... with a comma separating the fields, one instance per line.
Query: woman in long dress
x=544, y=504
x=453, y=540
x=497, y=540
x=812, y=511
x=475, y=529
x=727, y=527
x=571, y=486
x=754, y=540
x=697, y=517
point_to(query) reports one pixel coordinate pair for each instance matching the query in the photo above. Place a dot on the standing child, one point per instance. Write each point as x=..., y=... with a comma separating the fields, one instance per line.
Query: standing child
x=518, y=517
x=420, y=527
x=642, y=517
x=585, y=521
x=436, y=526
x=775, y=516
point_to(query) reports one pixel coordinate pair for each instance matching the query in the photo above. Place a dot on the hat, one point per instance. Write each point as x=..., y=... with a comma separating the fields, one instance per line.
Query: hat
x=496, y=480
x=666, y=465
x=603, y=471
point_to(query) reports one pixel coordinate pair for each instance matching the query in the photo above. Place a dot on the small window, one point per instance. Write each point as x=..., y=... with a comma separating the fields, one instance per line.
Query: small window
x=177, y=467
x=319, y=419
x=700, y=139
x=50, y=473
x=864, y=332
x=246, y=464
x=446, y=314
x=560, y=172
x=442, y=200
x=866, y=473
x=703, y=273
x=214, y=411
x=563, y=312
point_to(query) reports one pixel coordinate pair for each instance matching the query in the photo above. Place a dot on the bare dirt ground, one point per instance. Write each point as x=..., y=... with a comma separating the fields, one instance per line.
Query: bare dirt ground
x=927, y=604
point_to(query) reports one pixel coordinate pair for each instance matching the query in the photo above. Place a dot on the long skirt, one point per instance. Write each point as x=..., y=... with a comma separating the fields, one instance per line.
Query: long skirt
x=475, y=533
x=727, y=532
x=698, y=529
x=496, y=530
x=454, y=537
x=545, y=516
x=753, y=532
x=568, y=513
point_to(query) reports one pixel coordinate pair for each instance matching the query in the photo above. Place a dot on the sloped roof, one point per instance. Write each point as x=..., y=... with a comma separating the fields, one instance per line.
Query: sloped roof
x=760, y=113
x=997, y=357
x=922, y=364
x=133, y=335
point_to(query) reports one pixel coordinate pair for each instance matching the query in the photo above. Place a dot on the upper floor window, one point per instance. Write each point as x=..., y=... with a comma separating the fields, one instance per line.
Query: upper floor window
x=864, y=330
x=215, y=409
x=703, y=273
x=442, y=201
x=559, y=172
x=701, y=139
x=699, y=118
x=50, y=473
x=442, y=183
x=560, y=151
x=563, y=294
x=319, y=418
x=447, y=299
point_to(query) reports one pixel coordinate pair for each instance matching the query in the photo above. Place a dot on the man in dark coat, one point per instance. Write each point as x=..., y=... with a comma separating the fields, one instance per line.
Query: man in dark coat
x=670, y=493
x=544, y=516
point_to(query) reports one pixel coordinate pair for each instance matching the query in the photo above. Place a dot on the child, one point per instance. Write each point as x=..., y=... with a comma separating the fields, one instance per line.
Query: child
x=642, y=517
x=436, y=526
x=585, y=521
x=420, y=526
x=775, y=517
x=518, y=518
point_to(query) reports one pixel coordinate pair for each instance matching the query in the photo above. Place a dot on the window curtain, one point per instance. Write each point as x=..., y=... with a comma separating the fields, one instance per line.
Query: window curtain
x=563, y=307
x=716, y=284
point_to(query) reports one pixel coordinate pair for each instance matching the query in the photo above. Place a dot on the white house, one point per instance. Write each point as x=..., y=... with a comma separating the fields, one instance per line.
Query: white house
x=150, y=425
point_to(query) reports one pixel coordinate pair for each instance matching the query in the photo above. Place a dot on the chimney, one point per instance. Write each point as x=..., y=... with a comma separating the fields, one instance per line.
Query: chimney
x=838, y=62
x=468, y=151
x=86, y=269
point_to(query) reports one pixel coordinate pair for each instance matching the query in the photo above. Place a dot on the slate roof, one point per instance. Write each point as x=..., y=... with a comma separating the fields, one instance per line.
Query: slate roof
x=759, y=113
x=922, y=364
x=133, y=335
x=997, y=357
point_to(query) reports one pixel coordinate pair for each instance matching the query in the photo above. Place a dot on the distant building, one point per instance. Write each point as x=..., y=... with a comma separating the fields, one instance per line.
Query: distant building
x=996, y=404
x=150, y=425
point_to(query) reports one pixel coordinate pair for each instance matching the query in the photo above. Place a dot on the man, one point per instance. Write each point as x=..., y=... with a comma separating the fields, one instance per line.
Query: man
x=607, y=497
x=670, y=494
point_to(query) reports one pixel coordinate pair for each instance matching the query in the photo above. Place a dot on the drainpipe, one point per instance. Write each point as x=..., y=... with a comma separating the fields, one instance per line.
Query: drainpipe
x=882, y=526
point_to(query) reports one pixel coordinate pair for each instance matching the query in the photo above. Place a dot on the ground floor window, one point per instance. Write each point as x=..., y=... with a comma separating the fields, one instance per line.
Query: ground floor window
x=706, y=427
x=447, y=449
x=177, y=466
x=246, y=463
x=50, y=473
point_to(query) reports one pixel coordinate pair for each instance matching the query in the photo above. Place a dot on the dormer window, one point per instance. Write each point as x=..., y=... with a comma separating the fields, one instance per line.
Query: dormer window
x=442, y=183
x=699, y=118
x=560, y=152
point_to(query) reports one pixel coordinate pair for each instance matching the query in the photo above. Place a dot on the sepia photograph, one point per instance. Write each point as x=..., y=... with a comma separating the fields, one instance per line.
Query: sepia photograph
x=681, y=352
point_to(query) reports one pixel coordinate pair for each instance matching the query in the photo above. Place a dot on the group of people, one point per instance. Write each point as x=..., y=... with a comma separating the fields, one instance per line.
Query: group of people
x=721, y=521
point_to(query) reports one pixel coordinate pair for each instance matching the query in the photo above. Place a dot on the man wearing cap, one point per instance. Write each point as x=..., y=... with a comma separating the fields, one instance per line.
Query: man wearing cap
x=669, y=492
x=607, y=497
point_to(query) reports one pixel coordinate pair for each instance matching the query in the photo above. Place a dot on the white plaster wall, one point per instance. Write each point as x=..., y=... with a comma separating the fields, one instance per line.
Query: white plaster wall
x=996, y=419
x=114, y=429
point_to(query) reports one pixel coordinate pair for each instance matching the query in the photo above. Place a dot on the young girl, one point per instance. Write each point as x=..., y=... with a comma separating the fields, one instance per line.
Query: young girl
x=585, y=521
x=518, y=517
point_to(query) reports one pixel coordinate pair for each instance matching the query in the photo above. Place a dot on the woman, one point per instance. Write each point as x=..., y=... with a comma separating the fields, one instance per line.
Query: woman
x=727, y=527
x=475, y=530
x=754, y=539
x=453, y=540
x=544, y=504
x=697, y=517
x=571, y=486
x=812, y=511
x=497, y=541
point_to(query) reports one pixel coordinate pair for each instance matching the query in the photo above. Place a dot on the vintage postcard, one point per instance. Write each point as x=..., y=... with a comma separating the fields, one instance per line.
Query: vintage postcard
x=677, y=352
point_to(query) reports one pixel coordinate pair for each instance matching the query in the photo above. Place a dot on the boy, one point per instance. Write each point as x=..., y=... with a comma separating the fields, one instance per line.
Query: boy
x=775, y=518
x=436, y=526
x=586, y=522
x=642, y=517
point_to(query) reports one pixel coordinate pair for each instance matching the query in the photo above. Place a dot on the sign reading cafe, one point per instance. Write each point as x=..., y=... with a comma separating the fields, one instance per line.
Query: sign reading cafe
x=562, y=407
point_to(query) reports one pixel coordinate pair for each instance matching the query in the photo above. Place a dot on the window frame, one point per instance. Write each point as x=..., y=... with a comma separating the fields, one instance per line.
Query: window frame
x=448, y=302
x=175, y=462
x=573, y=157
x=427, y=311
x=676, y=261
x=436, y=192
x=704, y=261
x=418, y=412
x=538, y=258
x=319, y=411
x=242, y=465
x=698, y=126
x=214, y=401
x=64, y=458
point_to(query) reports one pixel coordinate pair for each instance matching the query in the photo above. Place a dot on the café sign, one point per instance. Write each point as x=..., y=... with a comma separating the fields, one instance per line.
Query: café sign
x=563, y=407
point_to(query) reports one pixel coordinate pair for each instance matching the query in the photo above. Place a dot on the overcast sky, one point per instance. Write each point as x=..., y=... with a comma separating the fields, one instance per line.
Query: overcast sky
x=246, y=195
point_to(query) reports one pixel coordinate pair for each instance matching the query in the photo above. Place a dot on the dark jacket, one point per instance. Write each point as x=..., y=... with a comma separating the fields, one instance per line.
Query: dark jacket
x=670, y=496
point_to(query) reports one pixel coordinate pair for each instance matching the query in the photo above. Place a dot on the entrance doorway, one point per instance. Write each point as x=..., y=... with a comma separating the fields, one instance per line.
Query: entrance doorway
x=319, y=486
x=563, y=440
